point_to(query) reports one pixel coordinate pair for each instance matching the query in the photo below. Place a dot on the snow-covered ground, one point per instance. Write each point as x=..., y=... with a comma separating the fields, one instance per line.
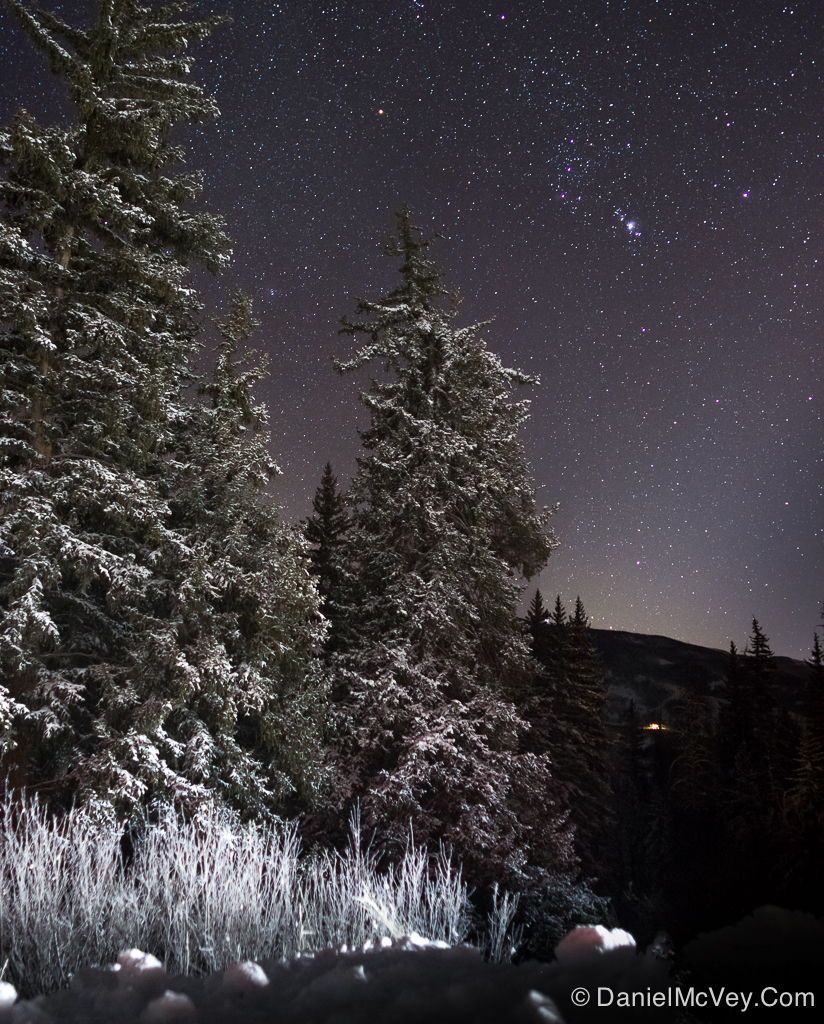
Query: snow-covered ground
x=415, y=981
x=408, y=980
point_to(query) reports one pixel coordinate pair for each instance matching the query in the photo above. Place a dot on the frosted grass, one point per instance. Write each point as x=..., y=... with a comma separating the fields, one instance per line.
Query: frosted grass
x=201, y=894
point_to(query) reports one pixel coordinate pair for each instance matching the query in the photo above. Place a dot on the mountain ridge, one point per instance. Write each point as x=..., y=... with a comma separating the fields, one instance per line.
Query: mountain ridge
x=655, y=670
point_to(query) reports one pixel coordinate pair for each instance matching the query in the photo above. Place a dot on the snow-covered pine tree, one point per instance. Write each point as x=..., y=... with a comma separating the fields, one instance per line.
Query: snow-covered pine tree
x=325, y=531
x=98, y=319
x=248, y=604
x=444, y=526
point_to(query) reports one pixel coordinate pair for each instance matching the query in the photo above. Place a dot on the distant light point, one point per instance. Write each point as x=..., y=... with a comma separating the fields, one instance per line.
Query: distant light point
x=745, y=194
x=381, y=111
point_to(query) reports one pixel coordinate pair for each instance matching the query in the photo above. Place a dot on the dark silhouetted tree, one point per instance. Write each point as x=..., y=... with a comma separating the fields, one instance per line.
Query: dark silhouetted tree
x=537, y=613
x=326, y=530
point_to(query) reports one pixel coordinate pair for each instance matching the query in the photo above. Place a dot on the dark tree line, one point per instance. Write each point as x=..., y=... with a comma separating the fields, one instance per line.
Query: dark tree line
x=722, y=809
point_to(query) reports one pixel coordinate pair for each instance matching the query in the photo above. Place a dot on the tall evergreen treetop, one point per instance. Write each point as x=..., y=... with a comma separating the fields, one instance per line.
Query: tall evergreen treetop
x=328, y=524
x=817, y=661
x=558, y=616
x=758, y=646
x=451, y=404
x=579, y=617
x=325, y=530
x=444, y=525
x=815, y=693
x=537, y=613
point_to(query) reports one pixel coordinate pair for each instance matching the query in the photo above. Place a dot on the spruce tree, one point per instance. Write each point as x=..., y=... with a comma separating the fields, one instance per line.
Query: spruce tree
x=325, y=531
x=816, y=663
x=536, y=614
x=586, y=772
x=759, y=654
x=105, y=598
x=566, y=708
x=550, y=643
x=754, y=740
x=558, y=617
x=806, y=789
x=766, y=730
x=444, y=527
x=248, y=602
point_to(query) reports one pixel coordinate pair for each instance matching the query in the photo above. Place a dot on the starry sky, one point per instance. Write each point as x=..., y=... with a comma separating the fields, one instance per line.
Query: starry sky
x=630, y=190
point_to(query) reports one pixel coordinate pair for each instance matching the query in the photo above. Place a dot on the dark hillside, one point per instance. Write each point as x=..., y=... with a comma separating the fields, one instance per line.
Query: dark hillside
x=655, y=670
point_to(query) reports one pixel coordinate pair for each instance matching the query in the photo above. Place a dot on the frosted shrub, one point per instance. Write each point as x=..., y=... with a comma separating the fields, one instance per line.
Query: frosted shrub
x=201, y=894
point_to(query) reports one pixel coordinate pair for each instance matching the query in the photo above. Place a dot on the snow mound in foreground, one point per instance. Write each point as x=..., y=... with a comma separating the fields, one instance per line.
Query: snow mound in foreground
x=401, y=982
x=592, y=939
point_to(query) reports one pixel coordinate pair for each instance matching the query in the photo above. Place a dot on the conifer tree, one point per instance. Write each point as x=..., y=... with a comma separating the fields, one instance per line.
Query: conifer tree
x=558, y=616
x=759, y=653
x=258, y=709
x=816, y=663
x=537, y=613
x=325, y=531
x=814, y=705
x=806, y=790
x=444, y=526
x=587, y=770
x=544, y=702
x=105, y=656
x=567, y=710
x=550, y=648
x=766, y=730
x=754, y=740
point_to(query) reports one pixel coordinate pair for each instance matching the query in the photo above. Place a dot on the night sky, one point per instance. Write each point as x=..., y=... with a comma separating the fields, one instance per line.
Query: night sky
x=630, y=191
